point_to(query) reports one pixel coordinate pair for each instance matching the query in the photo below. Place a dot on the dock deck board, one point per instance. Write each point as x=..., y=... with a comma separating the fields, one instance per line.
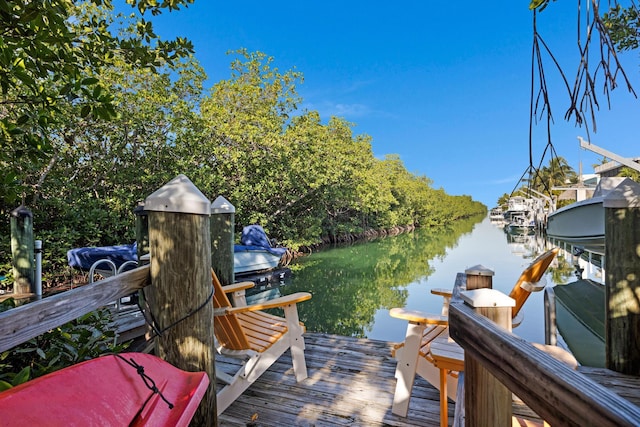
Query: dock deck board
x=351, y=382
x=626, y=386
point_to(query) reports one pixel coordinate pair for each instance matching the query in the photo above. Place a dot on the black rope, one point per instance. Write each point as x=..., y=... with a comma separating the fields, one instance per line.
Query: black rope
x=153, y=323
x=148, y=381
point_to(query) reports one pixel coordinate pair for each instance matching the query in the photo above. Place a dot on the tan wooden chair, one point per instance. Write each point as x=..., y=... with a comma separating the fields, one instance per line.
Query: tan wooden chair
x=414, y=354
x=256, y=337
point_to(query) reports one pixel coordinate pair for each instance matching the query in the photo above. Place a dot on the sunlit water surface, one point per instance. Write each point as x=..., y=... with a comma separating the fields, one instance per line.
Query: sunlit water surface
x=355, y=286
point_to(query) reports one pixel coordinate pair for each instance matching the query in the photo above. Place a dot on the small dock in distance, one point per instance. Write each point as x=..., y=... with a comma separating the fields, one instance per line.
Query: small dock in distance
x=351, y=383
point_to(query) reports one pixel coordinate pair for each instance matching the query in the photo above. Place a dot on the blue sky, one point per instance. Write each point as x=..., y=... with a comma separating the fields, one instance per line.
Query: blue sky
x=445, y=85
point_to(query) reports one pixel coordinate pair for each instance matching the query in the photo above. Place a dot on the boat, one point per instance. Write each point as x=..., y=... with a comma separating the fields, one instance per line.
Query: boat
x=580, y=319
x=127, y=389
x=255, y=253
x=582, y=223
x=516, y=205
x=496, y=214
x=87, y=257
x=521, y=223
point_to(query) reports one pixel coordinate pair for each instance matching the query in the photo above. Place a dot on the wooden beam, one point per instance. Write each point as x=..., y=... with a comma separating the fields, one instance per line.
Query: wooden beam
x=181, y=298
x=622, y=282
x=560, y=395
x=487, y=400
x=22, y=323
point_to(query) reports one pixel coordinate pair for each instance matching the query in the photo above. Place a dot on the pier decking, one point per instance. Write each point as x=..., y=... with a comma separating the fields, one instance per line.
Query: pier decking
x=351, y=382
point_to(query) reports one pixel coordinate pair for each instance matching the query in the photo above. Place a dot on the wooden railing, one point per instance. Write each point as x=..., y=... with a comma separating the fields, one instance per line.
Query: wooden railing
x=557, y=393
x=22, y=323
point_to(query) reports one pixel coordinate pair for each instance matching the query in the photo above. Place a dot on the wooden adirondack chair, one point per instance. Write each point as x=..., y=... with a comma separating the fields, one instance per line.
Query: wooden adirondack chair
x=256, y=337
x=414, y=354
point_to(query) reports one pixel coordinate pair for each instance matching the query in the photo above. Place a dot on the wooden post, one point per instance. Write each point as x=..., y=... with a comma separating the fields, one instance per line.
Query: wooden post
x=622, y=282
x=550, y=317
x=180, y=298
x=22, y=250
x=222, y=227
x=142, y=230
x=479, y=277
x=487, y=400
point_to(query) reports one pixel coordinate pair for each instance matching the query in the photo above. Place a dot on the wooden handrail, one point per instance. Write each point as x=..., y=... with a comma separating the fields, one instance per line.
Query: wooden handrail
x=27, y=321
x=560, y=395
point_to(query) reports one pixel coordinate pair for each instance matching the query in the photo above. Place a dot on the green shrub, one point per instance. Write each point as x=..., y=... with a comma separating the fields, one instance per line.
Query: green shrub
x=82, y=339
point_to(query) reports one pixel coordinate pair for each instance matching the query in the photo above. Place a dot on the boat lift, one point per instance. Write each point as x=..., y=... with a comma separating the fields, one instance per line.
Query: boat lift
x=606, y=153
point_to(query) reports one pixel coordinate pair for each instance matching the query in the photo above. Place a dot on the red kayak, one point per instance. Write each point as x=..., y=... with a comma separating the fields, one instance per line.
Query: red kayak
x=130, y=389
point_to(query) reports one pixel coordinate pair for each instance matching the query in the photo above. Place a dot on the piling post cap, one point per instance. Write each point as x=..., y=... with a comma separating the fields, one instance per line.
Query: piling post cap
x=139, y=209
x=479, y=270
x=487, y=298
x=625, y=195
x=179, y=195
x=21, y=212
x=222, y=206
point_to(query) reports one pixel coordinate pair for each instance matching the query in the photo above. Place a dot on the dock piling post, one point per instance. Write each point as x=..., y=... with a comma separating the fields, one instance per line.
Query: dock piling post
x=22, y=250
x=487, y=401
x=142, y=230
x=222, y=228
x=622, y=278
x=479, y=277
x=180, y=298
x=550, y=323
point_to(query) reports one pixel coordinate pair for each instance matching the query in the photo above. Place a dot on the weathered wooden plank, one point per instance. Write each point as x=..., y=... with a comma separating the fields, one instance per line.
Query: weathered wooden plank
x=129, y=323
x=351, y=382
x=30, y=320
x=559, y=394
x=627, y=386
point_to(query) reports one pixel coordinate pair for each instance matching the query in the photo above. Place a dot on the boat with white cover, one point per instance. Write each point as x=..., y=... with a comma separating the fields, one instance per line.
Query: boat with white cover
x=255, y=253
x=582, y=223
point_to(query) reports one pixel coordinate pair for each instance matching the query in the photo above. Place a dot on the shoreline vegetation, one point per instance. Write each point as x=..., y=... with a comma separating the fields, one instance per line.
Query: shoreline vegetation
x=82, y=171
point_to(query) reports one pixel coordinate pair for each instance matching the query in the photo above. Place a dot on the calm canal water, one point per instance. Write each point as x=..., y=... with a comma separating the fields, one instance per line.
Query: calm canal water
x=355, y=286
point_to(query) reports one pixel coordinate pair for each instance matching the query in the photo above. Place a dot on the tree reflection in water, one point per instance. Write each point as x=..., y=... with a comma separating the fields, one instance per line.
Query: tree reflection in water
x=351, y=283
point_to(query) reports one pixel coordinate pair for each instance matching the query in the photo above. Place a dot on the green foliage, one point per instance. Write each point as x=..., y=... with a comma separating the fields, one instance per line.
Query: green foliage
x=630, y=173
x=52, y=55
x=82, y=339
x=538, y=5
x=298, y=176
x=503, y=201
x=355, y=282
x=557, y=173
x=623, y=25
x=96, y=170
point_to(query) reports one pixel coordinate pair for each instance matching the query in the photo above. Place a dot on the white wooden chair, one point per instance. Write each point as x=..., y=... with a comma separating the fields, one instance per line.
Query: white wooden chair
x=256, y=337
x=414, y=355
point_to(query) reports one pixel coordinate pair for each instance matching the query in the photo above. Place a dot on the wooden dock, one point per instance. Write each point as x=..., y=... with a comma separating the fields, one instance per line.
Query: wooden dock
x=351, y=383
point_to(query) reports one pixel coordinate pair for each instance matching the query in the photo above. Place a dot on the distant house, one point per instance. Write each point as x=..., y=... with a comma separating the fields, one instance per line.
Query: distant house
x=581, y=191
x=584, y=190
x=612, y=168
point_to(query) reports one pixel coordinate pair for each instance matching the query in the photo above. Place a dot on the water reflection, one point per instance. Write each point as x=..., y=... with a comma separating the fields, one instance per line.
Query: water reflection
x=354, y=286
x=350, y=284
x=575, y=264
x=566, y=267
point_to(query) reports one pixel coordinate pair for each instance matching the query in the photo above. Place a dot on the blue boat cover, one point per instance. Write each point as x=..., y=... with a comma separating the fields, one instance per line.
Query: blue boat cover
x=254, y=238
x=84, y=258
